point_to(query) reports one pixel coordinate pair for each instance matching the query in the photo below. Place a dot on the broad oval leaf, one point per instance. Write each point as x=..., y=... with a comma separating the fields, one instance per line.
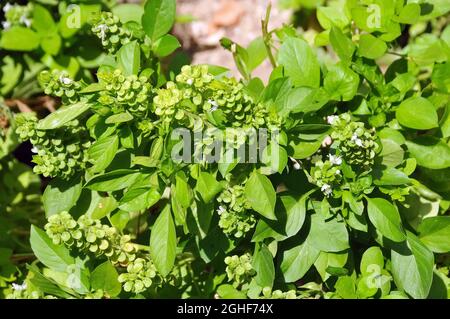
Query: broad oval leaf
x=328, y=236
x=341, y=83
x=63, y=116
x=129, y=58
x=102, y=153
x=163, y=242
x=430, y=152
x=371, y=47
x=263, y=264
x=207, y=186
x=61, y=195
x=158, y=18
x=139, y=199
x=386, y=219
x=298, y=260
x=113, y=181
x=434, y=232
x=261, y=195
x=412, y=267
x=19, y=39
x=56, y=257
x=300, y=63
x=417, y=113
x=105, y=277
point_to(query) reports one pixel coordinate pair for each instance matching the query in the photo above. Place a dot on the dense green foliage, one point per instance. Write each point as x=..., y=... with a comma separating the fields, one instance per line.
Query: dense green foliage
x=348, y=199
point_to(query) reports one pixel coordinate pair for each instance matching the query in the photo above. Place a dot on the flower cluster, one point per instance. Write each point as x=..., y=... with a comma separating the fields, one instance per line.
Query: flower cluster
x=357, y=144
x=60, y=152
x=238, y=107
x=90, y=236
x=236, y=218
x=108, y=28
x=125, y=93
x=196, y=91
x=58, y=83
x=267, y=293
x=239, y=269
x=327, y=174
x=17, y=15
x=139, y=275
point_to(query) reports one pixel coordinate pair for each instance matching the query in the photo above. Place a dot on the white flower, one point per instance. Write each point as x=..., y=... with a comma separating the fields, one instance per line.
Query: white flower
x=357, y=140
x=332, y=119
x=19, y=287
x=221, y=210
x=327, y=141
x=326, y=190
x=316, y=158
x=7, y=7
x=190, y=81
x=334, y=159
x=34, y=150
x=338, y=172
x=25, y=20
x=102, y=28
x=214, y=105
x=296, y=165
x=6, y=25
x=64, y=79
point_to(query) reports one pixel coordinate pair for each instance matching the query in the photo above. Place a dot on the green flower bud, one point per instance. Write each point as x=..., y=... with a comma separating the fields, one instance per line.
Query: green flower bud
x=235, y=214
x=139, y=276
x=239, y=269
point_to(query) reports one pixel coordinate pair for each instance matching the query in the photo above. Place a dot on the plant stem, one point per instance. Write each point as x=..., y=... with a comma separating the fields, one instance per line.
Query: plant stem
x=267, y=37
x=141, y=247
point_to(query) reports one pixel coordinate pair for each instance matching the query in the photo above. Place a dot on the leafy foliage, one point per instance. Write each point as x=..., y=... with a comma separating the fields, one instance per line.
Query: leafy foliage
x=349, y=197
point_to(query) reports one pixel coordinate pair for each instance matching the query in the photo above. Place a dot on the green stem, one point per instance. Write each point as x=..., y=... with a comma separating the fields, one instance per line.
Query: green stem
x=267, y=36
x=141, y=247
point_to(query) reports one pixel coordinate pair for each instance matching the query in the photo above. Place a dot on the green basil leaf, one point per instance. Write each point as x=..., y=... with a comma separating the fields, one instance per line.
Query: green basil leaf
x=129, y=58
x=19, y=39
x=102, y=153
x=300, y=63
x=417, y=113
x=56, y=257
x=61, y=195
x=113, y=181
x=412, y=267
x=261, y=195
x=386, y=219
x=158, y=18
x=63, y=115
x=434, y=232
x=430, y=152
x=105, y=277
x=163, y=242
x=371, y=47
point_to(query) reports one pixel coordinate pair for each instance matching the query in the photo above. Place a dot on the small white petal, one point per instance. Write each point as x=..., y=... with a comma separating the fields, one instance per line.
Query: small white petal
x=221, y=210
x=214, y=105
x=357, y=140
x=64, y=79
x=7, y=7
x=35, y=150
x=190, y=81
x=19, y=287
x=326, y=189
x=6, y=25
x=332, y=119
x=334, y=159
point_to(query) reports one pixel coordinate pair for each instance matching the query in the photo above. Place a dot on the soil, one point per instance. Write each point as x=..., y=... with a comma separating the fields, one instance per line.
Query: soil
x=239, y=20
